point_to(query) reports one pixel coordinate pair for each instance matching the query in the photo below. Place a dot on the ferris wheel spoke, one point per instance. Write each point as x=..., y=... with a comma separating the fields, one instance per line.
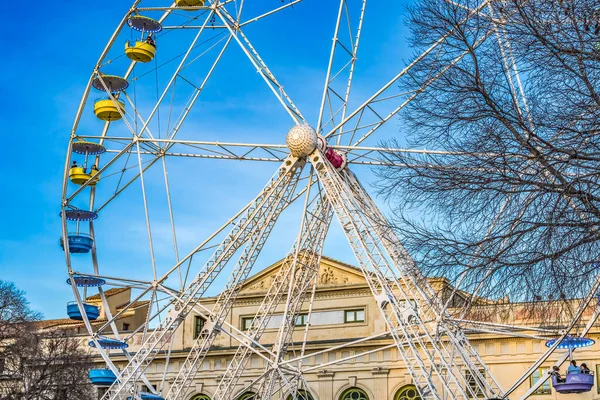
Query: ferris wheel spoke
x=158, y=153
x=233, y=224
x=252, y=224
x=172, y=220
x=146, y=212
x=126, y=185
x=254, y=19
x=380, y=107
x=151, y=304
x=123, y=310
x=137, y=116
x=229, y=294
x=177, y=71
x=304, y=277
x=390, y=280
x=233, y=332
x=258, y=63
x=457, y=341
x=296, y=272
x=119, y=281
x=198, y=90
x=342, y=60
x=359, y=155
x=160, y=309
x=102, y=170
x=350, y=357
x=504, y=329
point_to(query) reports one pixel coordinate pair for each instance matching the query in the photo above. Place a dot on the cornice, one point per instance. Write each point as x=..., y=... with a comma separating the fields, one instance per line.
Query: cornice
x=325, y=374
x=379, y=371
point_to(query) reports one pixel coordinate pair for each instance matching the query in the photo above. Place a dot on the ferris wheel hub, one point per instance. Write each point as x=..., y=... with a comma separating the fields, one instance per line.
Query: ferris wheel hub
x=301, y=140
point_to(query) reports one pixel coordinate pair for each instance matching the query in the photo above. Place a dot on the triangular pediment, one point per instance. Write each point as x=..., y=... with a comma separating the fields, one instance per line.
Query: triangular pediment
x=332, y=273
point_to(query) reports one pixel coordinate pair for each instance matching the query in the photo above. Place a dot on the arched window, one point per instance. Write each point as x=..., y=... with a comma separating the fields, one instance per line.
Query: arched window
x=301, y=395
x=247, y=396
x=408, y=392
x=200, y=397
x=354, y=394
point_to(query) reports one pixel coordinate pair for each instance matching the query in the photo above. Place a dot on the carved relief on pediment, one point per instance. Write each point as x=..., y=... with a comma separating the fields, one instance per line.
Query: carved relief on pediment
x=258, y=286
x=263, y=284
x=328, y=277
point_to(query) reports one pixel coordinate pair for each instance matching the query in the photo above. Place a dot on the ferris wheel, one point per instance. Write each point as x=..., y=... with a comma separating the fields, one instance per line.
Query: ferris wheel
x=122, y=144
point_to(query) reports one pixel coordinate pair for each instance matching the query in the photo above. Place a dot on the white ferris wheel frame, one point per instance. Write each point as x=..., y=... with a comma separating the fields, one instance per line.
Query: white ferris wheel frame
x=326, y=191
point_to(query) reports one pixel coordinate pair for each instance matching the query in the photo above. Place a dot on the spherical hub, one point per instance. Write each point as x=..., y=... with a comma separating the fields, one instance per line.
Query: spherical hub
x=301, y=140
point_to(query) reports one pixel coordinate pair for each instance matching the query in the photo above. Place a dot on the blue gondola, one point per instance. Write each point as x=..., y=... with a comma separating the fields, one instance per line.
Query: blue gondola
x=92, y=312
x=574, y=383
x=102, y=377
x=86, y=281
x=76, y=214
x=150, y=396
x=108, y=343
x=571, y=342
x=78, y=243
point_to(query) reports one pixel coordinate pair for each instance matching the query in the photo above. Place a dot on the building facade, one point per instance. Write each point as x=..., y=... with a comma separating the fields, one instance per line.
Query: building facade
x=344, y=312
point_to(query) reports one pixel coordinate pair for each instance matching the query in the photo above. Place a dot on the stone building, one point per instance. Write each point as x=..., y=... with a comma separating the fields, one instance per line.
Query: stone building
x=343, y=312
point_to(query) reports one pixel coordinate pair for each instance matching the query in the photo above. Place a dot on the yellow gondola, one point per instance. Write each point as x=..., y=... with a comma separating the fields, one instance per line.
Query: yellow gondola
x=79, y=176
x=140, y=51
x=107, y=110
x=189, y=3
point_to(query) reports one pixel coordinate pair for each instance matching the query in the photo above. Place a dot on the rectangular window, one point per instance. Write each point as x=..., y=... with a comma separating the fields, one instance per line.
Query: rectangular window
x=198, y=325
x=536, y=376
x=154, y=387
x=598, y=372
x=246, y=322
x=351, y=316
x=330, y=317
x=301, y=320
x=475, y=384
x=125, y=327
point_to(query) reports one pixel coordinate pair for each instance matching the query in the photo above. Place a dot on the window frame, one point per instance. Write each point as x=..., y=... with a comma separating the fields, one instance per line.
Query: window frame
x=195, y=331
x=303, y=317
x=404, y=389
x=355, y=312
x=244, y=321
x=353, y=390
x=200, y=396
x=541, y=391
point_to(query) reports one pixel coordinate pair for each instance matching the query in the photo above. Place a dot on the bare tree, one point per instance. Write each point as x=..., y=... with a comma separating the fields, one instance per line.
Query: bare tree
x=514, y=209
x=34, y=364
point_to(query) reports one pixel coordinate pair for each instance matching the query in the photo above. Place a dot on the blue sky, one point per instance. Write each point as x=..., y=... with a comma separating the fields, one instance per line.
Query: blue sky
x=49, y=51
